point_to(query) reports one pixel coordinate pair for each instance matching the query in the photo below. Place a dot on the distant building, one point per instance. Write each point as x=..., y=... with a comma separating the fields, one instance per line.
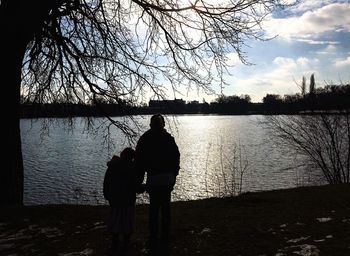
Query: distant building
x=167, y=106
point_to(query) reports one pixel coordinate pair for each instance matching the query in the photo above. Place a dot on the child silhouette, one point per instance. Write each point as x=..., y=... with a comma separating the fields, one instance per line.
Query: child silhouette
x=119, y=188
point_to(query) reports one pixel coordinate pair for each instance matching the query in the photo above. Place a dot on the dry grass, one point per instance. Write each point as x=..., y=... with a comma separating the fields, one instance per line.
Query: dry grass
x=303, y=221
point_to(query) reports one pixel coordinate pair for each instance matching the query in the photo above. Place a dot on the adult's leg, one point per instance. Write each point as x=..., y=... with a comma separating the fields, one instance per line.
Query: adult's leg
x=166, y=214
x=115, y=244
x=154, y=208
x=126, y=242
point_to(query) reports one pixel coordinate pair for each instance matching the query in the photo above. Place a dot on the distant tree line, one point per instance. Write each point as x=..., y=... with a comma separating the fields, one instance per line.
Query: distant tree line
x=327, y=98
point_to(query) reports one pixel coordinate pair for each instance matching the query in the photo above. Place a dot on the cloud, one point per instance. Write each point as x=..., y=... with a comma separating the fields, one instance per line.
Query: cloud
x=311, y=24
x=233, y=59
x=309, y=5
x=287, y=63
x=303, y=61
x=318, y=42
x=342, y=62
x=287, y=66
x=329, y=50
x=281, y=78
x=285, y=69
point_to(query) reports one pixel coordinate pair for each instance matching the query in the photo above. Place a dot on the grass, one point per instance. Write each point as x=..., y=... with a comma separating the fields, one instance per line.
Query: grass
x=301, y=221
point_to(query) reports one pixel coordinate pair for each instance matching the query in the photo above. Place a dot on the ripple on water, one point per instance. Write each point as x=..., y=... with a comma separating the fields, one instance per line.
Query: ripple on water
x=69, y=167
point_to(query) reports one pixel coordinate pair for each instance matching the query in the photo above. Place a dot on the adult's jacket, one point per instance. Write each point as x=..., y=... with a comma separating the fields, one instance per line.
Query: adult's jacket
x=157, y=154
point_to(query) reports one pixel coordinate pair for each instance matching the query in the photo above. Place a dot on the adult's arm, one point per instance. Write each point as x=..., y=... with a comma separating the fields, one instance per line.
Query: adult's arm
x=107, y=185
x=140, y=161
x=176, y=156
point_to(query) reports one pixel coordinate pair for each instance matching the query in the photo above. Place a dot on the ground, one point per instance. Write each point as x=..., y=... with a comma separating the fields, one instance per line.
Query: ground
x=301, y=221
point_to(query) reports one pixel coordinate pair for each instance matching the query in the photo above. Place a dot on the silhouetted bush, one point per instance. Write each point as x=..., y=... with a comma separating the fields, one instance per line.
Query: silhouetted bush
x=323, y=140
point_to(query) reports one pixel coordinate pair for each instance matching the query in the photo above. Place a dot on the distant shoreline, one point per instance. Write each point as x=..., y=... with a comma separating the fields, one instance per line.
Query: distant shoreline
x=111, y=110
x=194, y=114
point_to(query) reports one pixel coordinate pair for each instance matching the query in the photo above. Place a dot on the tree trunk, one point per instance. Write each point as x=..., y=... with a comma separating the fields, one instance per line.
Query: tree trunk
x=11, y=174
x=19, y=22
x=14, y=36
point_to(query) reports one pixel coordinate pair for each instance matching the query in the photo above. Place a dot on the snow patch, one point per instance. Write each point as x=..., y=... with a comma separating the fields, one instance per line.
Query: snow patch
x=307, y=250
x=87, y=251
x=205, y=230
x=324, y=219
x=319, y=240
x=296, y=240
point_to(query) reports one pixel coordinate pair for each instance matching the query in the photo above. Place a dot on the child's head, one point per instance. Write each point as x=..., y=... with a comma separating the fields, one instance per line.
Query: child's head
x=128, y=154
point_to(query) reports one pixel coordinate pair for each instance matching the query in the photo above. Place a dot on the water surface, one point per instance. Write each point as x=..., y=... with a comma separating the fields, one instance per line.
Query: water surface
x=68, y=166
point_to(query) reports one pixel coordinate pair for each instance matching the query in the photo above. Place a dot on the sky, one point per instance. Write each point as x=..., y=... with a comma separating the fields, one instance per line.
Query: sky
x=312, y=37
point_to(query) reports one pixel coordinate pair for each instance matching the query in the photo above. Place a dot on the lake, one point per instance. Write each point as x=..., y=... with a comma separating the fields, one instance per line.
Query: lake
x=220, y=155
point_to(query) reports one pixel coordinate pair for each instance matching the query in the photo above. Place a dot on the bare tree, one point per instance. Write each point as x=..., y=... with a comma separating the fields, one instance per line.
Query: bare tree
x=80, y=50
x=323, y=140
x=312, y=86
x=229, y=169
x=303, y=87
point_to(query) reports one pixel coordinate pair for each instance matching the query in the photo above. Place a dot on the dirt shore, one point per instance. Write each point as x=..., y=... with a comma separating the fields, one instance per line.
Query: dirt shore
x=301, y=221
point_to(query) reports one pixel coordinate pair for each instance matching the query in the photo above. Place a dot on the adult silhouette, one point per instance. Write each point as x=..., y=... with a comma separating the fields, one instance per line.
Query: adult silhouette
x=158, y=155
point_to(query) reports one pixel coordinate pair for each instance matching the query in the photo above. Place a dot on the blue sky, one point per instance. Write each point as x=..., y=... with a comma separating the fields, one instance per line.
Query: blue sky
x=313, y=37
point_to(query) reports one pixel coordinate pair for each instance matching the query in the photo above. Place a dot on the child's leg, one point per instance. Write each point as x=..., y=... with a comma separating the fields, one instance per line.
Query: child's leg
x=115, y=242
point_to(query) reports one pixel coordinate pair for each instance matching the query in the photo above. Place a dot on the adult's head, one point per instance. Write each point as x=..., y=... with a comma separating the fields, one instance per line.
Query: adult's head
x=157, y=122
